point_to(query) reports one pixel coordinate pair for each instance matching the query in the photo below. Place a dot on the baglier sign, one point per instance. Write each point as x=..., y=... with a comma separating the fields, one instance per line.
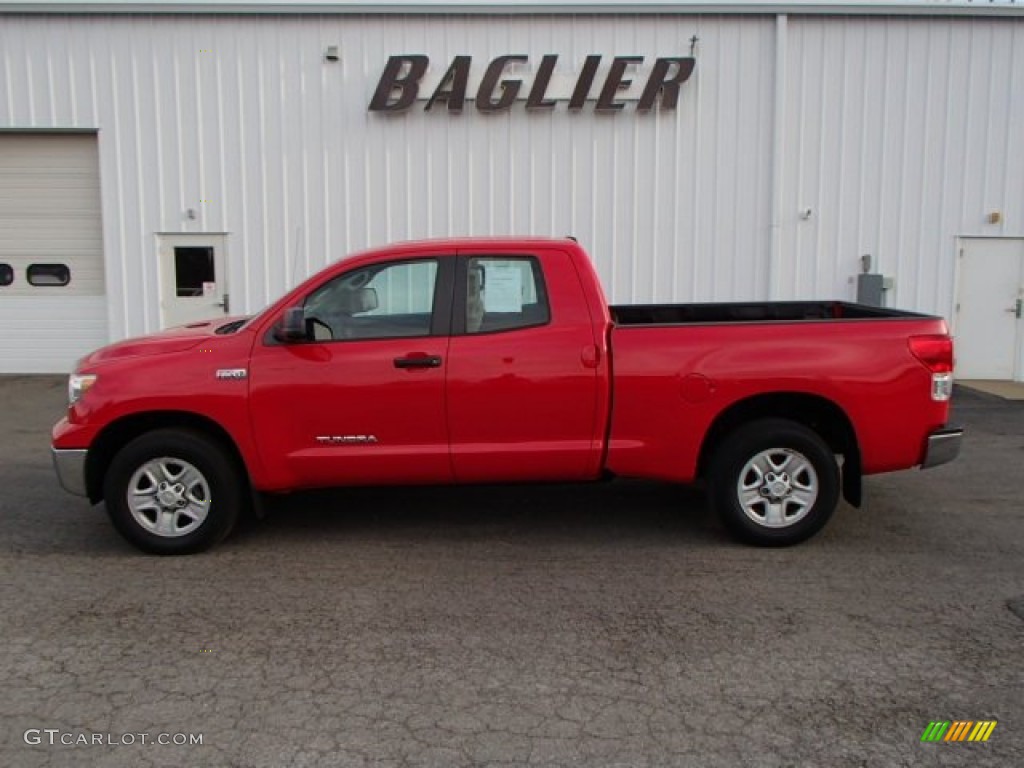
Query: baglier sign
x=405, y=81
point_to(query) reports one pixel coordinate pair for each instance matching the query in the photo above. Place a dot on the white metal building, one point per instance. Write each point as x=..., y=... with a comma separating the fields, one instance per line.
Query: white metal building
x=156, y=158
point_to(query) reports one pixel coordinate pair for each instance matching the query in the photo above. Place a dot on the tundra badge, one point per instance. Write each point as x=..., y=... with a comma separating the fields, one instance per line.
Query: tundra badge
x=346, y=439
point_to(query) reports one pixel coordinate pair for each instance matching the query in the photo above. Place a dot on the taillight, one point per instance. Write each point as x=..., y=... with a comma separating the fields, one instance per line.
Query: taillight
x=936, y=353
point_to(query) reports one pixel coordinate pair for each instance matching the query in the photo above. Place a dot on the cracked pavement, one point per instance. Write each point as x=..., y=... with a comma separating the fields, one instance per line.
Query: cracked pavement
x=599, y=626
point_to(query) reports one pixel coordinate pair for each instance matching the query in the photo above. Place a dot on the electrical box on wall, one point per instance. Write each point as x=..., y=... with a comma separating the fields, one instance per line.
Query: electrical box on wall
x=871, y=289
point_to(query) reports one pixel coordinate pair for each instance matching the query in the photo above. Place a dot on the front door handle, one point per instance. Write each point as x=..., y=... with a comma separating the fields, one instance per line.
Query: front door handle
x=418, y=361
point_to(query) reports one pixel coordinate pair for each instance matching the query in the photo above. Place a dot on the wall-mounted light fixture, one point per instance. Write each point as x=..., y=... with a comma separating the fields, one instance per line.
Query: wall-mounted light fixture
x=331, y=54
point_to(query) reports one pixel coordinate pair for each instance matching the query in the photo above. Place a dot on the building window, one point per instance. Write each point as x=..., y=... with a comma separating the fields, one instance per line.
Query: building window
x=193, y=268
x=6, y=275
x=48, y=275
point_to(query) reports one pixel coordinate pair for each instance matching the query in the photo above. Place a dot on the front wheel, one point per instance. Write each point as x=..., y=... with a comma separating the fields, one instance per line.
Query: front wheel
x=774, y=482
x=173, y=492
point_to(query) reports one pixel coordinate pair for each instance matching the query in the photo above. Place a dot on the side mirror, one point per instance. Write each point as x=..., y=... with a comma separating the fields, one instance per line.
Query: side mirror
x=293, y=326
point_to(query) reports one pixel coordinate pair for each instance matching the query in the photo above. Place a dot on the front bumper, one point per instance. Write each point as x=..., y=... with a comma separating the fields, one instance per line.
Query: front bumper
x=70, y=466
x=943, y=446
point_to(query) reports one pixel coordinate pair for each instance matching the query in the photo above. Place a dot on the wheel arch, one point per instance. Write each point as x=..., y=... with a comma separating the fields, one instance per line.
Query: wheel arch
x=815, y=412
x=122, y=431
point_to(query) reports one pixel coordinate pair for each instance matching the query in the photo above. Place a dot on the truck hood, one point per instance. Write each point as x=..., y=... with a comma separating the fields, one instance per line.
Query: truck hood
x=177, y=339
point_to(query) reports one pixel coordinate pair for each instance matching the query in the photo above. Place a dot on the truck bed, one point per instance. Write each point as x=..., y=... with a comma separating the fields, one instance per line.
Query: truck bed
x=750, y=312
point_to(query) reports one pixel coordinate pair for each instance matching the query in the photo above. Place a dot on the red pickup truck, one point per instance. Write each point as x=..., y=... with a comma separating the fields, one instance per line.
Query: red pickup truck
x=500, y=361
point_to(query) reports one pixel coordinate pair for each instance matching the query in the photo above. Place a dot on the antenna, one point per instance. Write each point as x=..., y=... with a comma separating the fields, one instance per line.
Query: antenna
x=295, y=254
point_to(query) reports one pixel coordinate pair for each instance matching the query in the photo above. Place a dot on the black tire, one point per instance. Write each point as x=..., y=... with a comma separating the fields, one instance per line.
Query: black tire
x=215, y=492
x=777, y=509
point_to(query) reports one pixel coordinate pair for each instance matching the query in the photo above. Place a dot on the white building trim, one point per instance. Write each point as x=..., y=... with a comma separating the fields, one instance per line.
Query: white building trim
x=869, y=7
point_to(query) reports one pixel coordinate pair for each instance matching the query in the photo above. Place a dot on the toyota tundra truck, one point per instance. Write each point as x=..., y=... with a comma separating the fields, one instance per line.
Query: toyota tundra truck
x=500, y=361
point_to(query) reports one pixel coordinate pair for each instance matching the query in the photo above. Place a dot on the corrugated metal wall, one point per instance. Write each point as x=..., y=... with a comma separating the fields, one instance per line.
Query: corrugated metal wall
x=897, y=134
x=900, y=136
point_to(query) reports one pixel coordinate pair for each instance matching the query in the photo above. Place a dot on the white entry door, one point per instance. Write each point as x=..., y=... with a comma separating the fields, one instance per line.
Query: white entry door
x=988, y=324
x=193, y=283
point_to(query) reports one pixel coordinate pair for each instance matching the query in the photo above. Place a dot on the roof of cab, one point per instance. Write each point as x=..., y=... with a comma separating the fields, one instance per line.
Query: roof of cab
x=453, y=244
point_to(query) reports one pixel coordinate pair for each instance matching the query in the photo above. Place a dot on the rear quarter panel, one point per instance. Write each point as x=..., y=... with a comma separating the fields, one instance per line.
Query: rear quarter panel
x=670, y=383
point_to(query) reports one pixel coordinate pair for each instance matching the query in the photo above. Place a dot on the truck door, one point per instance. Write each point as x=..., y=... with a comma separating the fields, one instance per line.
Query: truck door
x=522, y=375
x=362, y=401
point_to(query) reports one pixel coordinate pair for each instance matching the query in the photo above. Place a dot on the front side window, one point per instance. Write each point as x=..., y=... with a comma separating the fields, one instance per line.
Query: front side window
x=376, y=302
x=504, y=293
x=6, y=275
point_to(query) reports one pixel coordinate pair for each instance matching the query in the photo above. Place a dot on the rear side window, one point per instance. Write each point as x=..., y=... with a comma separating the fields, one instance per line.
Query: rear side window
x=504, y=293
x=48, y=275
x=6, y=275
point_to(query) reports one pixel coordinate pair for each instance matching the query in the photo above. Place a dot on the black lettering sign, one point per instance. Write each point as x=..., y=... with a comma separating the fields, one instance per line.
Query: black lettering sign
x=452, y=88
x=586, y=80
x=408, y=86
x=668, y=85
x=536, y=99
x=509, y=88
x=614, y=82
x=399, y=84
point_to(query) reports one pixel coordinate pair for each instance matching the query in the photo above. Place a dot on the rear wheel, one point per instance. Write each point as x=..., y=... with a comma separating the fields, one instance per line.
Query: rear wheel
x=173, y=492
x=774, y=482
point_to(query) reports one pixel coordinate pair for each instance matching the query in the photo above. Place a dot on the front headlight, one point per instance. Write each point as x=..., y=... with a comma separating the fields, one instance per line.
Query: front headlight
x=78, y=385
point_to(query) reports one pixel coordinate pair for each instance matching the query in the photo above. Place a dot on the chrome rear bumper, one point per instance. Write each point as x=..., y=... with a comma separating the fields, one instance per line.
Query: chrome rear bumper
x=943, y=446
x=70, y=467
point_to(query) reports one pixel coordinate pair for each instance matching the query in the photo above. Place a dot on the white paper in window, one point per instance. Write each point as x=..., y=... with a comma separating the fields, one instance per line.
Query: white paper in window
x=503, y=290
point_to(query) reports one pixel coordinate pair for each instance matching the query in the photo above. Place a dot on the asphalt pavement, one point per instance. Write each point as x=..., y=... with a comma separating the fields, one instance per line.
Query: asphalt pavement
x=603, y=625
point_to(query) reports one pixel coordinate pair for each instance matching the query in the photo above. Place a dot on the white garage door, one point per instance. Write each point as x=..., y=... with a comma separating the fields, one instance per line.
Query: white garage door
x=52, y=304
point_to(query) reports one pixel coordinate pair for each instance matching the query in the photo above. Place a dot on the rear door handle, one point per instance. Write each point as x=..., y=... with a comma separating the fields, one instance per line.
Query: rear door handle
x=418, y=361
